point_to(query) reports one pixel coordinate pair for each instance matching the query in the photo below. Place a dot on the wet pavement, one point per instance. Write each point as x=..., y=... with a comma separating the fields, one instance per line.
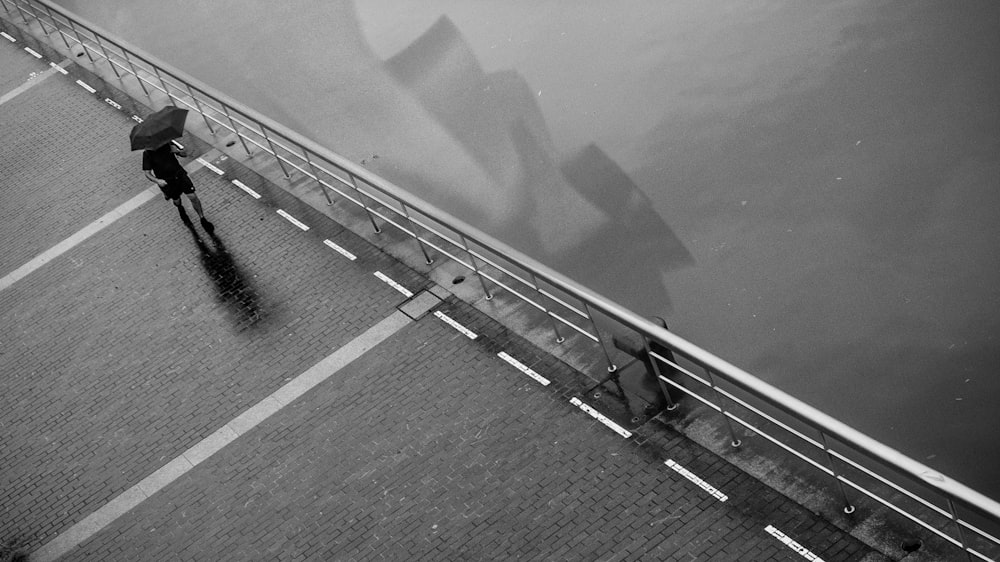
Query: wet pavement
x=254, y=393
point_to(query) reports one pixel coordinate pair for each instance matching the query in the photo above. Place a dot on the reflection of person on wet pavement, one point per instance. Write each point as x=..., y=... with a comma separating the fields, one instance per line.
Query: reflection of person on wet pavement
x=162, y=168
x=234, y=288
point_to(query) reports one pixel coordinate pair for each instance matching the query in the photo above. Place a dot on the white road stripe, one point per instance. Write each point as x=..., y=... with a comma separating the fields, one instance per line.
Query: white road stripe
x=340, y=250
x=449, y=321
x=243, y=186
x=293, y=220
x=523, y=368
x=86, y=86
x=58, y=68
x=249, y=419
x=112, y=103
x=698, y=481
x=8, y=37
x=601, y=418
x=33, y=53
x=71, y=242
x=209, y=165
x=406, y=292
x=805, y=552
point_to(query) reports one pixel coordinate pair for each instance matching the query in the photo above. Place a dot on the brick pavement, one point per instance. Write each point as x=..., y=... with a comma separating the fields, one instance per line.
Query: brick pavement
x=148, y=336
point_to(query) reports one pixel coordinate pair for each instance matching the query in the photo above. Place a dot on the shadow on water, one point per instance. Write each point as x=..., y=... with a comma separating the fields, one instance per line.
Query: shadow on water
x=233, y=287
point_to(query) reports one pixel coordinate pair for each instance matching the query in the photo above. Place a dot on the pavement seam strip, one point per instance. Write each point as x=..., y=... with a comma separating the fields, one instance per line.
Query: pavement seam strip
x=448, y=320
x=787, y=541
x=249, y=419
x=340, y=250
x=388, y=281
x=712, y=490
x=523, y=368
x=601, y=418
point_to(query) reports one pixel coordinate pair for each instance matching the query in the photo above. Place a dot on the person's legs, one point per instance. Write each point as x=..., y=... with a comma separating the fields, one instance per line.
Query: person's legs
x=195, y=202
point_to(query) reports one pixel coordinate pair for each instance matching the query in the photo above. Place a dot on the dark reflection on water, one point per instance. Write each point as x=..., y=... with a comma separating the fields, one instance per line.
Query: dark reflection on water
x=816, y=183
x=234, y=288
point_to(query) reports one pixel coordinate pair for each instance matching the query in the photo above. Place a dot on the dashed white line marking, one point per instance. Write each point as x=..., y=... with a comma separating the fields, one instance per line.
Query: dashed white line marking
x=406, y=292
x=33, y=53
x=86, y=86
x=208, y=165
x=137, y=119
x=58, y=68
x=340, y=250
x=805, y=552
x=293, y=220
x=112, y=103
x=601, y=418
x=243, y=186
x=698, y=481
x=8, y=37
x=449, y=321
x=523, y=368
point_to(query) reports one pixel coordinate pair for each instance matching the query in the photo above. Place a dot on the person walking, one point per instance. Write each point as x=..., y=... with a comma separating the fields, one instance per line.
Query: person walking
x=161, y=167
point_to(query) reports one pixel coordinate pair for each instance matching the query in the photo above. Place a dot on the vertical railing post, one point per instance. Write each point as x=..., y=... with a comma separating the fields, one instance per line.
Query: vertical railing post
x=722, y=409
x=23, y=17
x=107, y=56
x=41, y=22
x=315, y=172
x=600, y=339
x=86, y=51
x=135, y=72
x=848, y=507
x=225, y=109
x=475, y=266
x=163, y=84
x=274, y=151
x=48, y=11
x=197, y=106
x=541, y=302
x=56, y=25
x=953, y=513
x=671, y=405
x=361, y=197
x=406, y=213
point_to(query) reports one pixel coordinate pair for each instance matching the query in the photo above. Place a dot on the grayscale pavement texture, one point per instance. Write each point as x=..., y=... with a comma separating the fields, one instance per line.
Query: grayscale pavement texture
x=125, y=350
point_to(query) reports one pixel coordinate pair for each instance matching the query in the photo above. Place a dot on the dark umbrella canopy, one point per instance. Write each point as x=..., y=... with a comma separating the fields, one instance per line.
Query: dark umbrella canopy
x=159, y=128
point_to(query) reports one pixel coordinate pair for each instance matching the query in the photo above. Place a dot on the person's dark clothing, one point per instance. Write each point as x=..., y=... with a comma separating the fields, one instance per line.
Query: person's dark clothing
x=164, y=165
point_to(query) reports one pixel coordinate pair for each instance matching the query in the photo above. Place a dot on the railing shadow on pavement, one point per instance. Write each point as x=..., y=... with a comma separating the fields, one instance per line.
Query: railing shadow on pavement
x=860, y=471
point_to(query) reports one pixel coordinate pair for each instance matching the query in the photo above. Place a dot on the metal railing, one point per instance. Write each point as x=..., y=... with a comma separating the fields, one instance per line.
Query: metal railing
x=857, y=466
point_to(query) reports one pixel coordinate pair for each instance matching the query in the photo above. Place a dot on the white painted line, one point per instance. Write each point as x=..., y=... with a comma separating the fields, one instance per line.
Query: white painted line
x=243, y=186
x=249, y=419
x=86, y=86
x=698, y=481
x=112, y=103
x=292, y=220
x=406, y=292
x=209, y=165
x=523, y=368
x=33, y=53
x=601, y=418
x=137, y=119
x=340, y=250
x=448, y=320
x=805, y=552
x=86, y=232
x=58, y=68
x=8, y=37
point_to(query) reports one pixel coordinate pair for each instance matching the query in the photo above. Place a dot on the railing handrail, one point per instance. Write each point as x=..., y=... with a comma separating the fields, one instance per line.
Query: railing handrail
x=731, y=373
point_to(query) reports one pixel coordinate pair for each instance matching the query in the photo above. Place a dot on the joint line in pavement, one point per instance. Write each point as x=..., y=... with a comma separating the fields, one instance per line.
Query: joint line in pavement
x=249, y=419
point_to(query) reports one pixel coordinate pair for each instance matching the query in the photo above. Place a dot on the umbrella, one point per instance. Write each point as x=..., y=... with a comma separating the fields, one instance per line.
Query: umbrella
x=158, y=129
